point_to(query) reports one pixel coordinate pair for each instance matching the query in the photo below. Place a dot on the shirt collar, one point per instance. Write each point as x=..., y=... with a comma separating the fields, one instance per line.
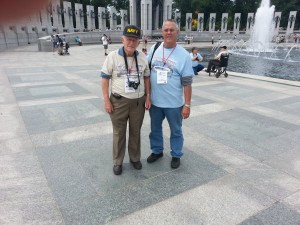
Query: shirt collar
x=120, y=52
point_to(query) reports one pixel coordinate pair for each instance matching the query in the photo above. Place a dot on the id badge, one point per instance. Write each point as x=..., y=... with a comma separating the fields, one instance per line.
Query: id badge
x=162, y=77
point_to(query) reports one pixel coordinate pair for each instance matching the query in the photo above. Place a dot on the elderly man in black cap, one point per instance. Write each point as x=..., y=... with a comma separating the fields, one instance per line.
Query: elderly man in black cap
x=216, y=60
x=128, y=97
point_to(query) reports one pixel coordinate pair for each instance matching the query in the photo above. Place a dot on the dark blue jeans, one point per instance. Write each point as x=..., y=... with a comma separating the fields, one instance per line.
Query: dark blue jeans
x=174, y=119
x=198, y=68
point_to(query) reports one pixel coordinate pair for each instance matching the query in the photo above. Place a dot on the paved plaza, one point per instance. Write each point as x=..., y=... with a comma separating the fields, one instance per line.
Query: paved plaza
x=241, y=162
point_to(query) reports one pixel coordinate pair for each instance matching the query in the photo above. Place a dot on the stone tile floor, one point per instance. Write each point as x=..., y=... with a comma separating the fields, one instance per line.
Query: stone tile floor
x=241, y=162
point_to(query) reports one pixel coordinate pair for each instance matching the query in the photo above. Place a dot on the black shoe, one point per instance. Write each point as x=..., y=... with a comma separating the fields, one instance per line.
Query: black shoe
x=207, y=71
x=175, y=163
x=137, y=165
x=153, y=157
x=105, y=54
x=117, y=169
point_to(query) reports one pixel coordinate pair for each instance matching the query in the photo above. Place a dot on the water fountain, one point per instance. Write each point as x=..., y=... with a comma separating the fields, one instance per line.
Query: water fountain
x=259, y=55
x=263, y=29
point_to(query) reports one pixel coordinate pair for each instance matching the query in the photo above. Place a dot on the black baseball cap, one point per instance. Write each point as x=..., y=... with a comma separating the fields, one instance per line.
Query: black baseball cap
x=225, y=47
x=132, y=31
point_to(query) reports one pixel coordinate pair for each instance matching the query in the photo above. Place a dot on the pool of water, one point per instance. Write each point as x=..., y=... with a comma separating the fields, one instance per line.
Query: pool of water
x=261, y=65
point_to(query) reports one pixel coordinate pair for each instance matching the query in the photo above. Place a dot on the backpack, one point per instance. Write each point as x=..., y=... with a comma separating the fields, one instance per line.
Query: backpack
x=155, y=47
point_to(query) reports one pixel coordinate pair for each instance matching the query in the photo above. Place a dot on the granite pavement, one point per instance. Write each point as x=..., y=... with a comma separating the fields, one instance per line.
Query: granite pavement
x=241, y=162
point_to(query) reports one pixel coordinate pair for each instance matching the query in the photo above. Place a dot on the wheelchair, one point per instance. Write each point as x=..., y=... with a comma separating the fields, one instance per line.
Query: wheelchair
x=222, y=67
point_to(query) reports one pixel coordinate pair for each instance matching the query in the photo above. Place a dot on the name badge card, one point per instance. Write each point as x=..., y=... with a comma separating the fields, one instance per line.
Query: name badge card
x=162, y=77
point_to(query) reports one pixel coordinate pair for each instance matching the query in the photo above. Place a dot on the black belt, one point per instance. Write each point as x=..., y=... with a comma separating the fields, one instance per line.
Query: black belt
x=117, y=96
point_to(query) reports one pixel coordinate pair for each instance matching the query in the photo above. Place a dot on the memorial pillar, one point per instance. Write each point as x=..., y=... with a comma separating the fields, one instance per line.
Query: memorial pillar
x=57, y=12
x=212, y=22
x=79, y=17
x=46, y=19
x=113, y=18
x=102, y=16
x=277, y=18
x=188, y=22
x=224, y=22
x=167, y=9
x=68, y=16
x=132, y=8
x=124, y=18
x=237, y=20
x=250, y=23
x=200, y=21
x=90, y=15
x=146, y=17
x=291, y=22
x=178, y=19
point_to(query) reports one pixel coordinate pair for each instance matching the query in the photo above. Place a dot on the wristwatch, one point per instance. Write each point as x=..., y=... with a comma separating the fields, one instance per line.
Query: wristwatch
x=187, y=105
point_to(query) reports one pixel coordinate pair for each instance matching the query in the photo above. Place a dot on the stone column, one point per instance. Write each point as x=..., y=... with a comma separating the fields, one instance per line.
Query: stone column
x=250, y=23
x=212, y=22
x=79, y=17
x=167, y=10
x=102, y=18
x=90, y=14
x=3, y=44
x=113, y=18
x=200, y=21
x=178, y=18
x=277, y=18
x=124, y=18
x=46, y=20
x=11, y=35
x=68, y=15
x=146, y=17
x=188, y=22
x=156, y=25
x=132, y=8
x=224, y=22
x=57, y=12
x=237, y=22
x=37, y=25
x=291, y=22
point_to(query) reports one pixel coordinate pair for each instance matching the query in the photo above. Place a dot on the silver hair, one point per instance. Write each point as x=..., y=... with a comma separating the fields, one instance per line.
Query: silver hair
x=172, y=21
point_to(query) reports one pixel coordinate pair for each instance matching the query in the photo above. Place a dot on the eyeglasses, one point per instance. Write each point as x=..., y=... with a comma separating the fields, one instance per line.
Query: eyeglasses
x=169, y=30
x=132, y=39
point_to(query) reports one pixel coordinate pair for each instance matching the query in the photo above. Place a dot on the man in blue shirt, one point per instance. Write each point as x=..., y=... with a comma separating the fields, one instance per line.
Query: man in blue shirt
x=196, y=59
x=171, y=89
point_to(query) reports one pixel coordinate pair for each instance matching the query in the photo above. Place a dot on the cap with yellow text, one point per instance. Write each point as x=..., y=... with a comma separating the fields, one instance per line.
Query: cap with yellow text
x=132, y=31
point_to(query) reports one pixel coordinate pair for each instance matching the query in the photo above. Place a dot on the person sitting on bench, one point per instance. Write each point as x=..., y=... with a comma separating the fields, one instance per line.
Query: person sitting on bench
x=77, y=39
x=216, y=61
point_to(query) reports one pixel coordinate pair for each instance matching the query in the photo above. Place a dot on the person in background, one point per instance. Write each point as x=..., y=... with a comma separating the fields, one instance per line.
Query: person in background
x=196, y=59
x=105, y=43
x=216, y=60
x=171, y=90
x=54, y=43
x=127, y=70
x=77, y=40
